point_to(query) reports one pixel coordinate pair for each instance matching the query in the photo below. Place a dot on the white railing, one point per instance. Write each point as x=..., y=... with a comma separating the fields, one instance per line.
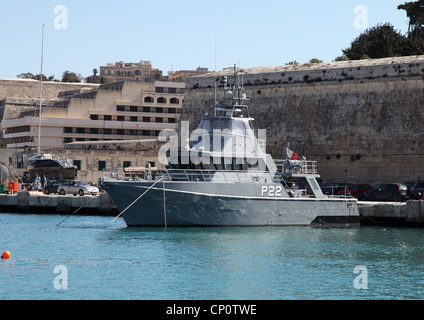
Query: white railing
x=193, y=175
x=297, y=166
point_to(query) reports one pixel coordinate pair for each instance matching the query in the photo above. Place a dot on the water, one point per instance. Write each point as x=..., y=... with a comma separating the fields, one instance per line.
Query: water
x=205, y=263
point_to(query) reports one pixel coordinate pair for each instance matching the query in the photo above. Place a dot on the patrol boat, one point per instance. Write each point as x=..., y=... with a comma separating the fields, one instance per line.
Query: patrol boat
x=223, y=177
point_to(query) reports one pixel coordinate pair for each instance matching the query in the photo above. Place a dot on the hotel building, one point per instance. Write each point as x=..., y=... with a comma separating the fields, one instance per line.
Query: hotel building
x=124, y=110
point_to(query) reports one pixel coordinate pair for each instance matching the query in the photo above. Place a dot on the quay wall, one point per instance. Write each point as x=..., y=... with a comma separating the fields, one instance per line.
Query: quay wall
x=36, y=202
x=361, y=120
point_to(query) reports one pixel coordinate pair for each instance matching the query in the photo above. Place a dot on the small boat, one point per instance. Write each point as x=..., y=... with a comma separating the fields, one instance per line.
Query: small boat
x=47, y=160
x=222, y=177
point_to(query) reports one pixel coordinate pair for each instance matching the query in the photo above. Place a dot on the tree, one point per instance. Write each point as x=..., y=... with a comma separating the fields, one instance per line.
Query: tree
x=29, y=75
x=381, y=41
x=415, y=13
x=94, y=78
x=71, y=77
x=315, y=60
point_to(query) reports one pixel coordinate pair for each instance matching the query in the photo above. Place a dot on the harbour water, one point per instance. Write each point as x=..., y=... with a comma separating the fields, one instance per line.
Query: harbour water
x=81, y=259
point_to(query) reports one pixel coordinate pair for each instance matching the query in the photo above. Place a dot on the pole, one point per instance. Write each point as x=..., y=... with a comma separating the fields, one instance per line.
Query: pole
x=41, y=91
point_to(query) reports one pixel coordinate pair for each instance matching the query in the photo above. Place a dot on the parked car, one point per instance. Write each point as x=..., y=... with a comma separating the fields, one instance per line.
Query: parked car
x=77, y=187
x=417, y=188
x=51, y=187
x=333, y=188
x=390, y=192
x=356, y=190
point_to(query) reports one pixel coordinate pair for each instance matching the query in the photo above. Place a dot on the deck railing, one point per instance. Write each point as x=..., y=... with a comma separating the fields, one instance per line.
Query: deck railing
x=297, y=166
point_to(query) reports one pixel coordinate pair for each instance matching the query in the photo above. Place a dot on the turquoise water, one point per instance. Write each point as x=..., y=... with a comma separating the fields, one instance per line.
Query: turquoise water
x=205, y=263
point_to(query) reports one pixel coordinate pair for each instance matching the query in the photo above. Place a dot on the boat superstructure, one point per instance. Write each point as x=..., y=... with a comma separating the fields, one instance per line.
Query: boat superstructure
x=224, y=177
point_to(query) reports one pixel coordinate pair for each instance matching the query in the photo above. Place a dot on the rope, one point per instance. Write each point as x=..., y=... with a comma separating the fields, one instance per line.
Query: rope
x=75, y=211
x=164, y=205
x=133, y=202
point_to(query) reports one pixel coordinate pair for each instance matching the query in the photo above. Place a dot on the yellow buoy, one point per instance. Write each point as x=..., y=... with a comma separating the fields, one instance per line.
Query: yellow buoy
x=6, y=255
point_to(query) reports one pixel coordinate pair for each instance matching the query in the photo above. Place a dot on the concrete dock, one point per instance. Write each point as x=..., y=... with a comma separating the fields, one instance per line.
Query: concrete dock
x=37, y=202
x=402, y=214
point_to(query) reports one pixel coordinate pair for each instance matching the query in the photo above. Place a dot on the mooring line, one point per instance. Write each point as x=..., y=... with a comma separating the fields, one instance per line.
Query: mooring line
x=133, y=202
x=76, y=211
x=164, y=205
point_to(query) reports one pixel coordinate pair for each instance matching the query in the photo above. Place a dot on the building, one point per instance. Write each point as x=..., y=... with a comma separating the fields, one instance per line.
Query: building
x=138, y=71
x=118, y=111
x=183, y=75
x=123, y=110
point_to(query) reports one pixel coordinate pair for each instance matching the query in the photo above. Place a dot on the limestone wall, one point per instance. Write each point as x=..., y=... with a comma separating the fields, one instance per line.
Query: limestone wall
x=362, y=121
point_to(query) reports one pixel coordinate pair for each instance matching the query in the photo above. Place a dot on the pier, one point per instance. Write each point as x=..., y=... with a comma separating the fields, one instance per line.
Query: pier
x=401, y=214
x=405, y=214
x=37, y=202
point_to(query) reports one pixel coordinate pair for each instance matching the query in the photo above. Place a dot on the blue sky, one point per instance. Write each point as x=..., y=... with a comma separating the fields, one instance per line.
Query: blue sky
x=181, y=34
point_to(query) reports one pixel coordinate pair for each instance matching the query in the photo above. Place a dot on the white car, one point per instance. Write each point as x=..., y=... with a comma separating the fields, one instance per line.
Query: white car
x=77, y=187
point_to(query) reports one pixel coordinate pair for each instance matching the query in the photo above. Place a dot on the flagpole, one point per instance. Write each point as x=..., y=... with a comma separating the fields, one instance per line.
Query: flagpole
x=41, y=91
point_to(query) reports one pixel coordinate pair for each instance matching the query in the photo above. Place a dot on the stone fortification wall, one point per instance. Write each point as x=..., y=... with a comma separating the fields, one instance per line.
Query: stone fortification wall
x=362, y=121
x=30, y=89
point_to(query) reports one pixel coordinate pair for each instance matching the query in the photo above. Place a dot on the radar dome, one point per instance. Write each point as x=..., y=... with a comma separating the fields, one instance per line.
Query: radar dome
x=4, y=173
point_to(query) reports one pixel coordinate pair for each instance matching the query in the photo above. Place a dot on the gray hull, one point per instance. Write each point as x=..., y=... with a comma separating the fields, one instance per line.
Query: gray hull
x=205, y=204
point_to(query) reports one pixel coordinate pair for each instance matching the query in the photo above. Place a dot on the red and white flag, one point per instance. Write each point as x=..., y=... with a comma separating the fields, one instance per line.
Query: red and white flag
x=291, y=155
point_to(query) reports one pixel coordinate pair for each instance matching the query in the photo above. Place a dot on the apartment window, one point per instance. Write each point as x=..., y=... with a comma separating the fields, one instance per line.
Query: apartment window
x=161, y=100
x=172, y=90
x=107, y=131
x=120, y=132
x=149, y=99
x=134, y=109
x=68, y=130
x=107, y=118
x=137, y=72
x=172, y=110
x=146, y=109
x=159, y=110
x=121, y=118
x=133, y=119
x=160, y=120
x=174, y=101
x=102, y=165
x=171, y=120
x=120, y=108
x=80, y=130
x=159, y=89
x=146, y=133
x=94, y=117
x=94, y=131
x=146, y=119
x=67, y=140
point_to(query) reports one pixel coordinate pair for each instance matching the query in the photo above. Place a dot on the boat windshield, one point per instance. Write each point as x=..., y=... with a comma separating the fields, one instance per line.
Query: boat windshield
x=236, y=127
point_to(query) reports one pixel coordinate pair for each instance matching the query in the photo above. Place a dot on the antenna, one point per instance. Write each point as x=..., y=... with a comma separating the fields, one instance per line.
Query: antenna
x=215, y=102
x=41, y=90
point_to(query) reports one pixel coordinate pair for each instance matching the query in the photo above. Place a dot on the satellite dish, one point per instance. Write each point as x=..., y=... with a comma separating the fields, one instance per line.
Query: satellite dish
x=4, y=173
